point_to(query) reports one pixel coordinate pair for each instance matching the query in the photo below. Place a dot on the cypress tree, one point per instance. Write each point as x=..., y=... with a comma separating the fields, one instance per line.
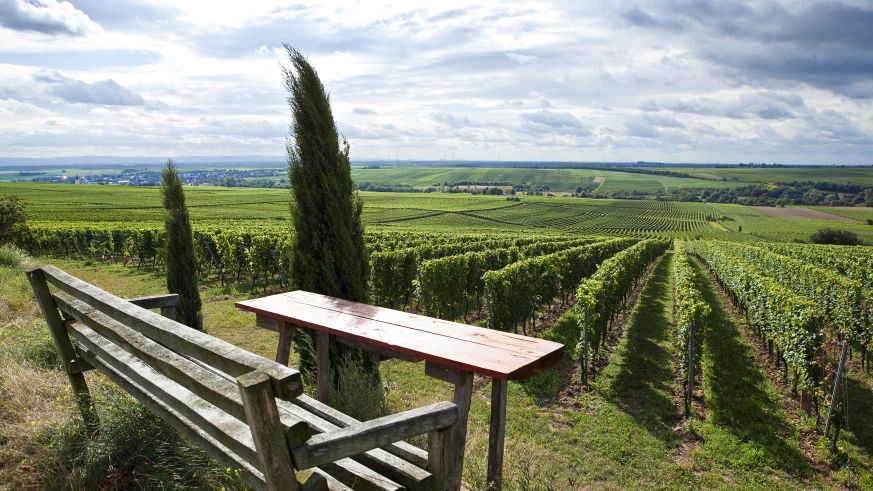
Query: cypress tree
x=181, y=265
x=330, y=256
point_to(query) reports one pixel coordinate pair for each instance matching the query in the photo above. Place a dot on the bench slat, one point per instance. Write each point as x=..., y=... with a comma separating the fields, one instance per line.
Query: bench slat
x=180, y=423
x=406, y=451
x=156, y=301
x=355, y=439
x=220, y=354
x=359, y=477
x=231, y=432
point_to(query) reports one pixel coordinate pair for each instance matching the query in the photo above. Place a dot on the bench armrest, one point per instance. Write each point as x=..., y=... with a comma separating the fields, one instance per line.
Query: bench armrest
x=156, y=301
x=361, y=437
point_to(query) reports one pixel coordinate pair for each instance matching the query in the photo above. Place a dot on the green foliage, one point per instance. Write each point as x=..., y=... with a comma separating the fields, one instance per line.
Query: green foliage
x=835, y=237
x=604, y=293
x=690, y=308
x=853, y=262
x=517, y=291
x=330, y=256
x=180, y=261
x=12, y=217
x=12, y=257
x=447, y=284
x=845, y=304
x=791, y=321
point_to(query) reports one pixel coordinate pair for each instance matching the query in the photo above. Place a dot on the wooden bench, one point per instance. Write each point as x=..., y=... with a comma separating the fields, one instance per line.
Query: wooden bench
x=246, y=411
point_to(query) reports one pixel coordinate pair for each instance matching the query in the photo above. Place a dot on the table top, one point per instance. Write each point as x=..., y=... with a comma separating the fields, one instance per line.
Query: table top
x=497, y=354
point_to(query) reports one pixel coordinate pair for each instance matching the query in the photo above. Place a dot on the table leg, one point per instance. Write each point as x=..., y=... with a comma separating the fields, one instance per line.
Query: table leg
x=322, y=364
x=283, y=351
x=496, y=434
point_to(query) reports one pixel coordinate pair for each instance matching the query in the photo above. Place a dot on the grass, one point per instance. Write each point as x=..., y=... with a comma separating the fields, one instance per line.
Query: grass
x=626, y=433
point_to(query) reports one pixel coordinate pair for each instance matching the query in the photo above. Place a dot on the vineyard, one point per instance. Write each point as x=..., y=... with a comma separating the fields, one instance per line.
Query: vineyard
x=643, y=294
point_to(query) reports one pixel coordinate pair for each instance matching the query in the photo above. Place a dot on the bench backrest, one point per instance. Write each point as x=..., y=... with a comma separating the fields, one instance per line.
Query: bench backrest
x=187, y=377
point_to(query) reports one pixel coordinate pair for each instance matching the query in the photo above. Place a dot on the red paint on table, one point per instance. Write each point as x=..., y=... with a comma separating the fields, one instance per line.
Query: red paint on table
x=496, y=354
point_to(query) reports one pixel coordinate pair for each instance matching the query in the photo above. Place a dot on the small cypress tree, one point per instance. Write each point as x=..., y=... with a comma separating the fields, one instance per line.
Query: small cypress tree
x=180, y=261
x=330, y=256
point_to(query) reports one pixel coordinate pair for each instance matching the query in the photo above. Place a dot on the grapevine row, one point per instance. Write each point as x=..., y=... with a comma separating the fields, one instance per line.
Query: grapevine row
x=516, y=292
x=690, y=316
x=791, y=321
x=601, y=296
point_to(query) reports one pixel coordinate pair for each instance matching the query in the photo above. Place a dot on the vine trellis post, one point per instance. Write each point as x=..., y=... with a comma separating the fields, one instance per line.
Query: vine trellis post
x=837, y=378
x=690, y=393
x=585, y=346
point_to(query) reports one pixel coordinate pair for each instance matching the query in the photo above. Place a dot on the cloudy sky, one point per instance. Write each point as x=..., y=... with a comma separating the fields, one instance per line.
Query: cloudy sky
x=672, y=80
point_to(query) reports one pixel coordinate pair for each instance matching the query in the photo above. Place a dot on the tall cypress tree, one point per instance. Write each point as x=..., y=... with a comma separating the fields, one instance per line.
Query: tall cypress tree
x=181, y=265
x=330, y=256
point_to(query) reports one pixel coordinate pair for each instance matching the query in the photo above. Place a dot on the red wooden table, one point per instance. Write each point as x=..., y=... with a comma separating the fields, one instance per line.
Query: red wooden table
x=451, y=351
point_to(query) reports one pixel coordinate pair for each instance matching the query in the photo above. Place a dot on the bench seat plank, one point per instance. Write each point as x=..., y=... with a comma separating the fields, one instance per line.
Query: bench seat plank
x=406, y=451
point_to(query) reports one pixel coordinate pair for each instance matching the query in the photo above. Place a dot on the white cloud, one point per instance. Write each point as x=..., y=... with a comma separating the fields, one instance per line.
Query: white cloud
x=45, y=16
x=540, y=80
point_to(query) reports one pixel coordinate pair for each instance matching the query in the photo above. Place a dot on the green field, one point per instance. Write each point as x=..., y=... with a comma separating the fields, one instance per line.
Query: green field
x=558, y=180
x=854, y=175
x=268, y=208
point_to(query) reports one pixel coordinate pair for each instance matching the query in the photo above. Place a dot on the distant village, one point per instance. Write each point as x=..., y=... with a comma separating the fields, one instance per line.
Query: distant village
x=254, y=178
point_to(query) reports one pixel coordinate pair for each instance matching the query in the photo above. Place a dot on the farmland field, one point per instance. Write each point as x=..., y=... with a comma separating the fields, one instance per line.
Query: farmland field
x=561, y=180
x=268, y=208
x=854, y=175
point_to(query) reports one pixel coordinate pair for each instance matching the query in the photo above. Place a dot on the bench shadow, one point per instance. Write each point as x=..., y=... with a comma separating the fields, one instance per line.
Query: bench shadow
x=641, y=386
x=735, y=389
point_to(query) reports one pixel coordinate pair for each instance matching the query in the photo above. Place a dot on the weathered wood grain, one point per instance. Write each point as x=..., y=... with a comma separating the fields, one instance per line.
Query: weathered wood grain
x=483, y=351
x=229, y=358
x=256, y=390
x=406, y=451
x=156, y=301
x=496, y=434
x=212, y=420
x=61, y=339
x=356, y=439
x=210, y=445
x=322, y=366
x=283, y=350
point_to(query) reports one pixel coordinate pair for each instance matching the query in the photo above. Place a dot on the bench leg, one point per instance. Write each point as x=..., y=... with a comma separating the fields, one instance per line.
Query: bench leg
x=496, y=434
x=446, y=447
x=322, y=367
x=61, y=338
x=283, y=350
x=262, y=416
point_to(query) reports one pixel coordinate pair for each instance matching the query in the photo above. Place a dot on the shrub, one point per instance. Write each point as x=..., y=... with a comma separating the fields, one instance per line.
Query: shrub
x=12, y=217
x=12, y=257
x=835, y=236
